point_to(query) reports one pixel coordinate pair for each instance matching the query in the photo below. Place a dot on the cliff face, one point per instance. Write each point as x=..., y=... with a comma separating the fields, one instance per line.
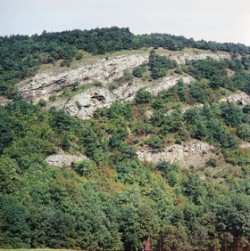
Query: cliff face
x=46, y=84
x=104, y=70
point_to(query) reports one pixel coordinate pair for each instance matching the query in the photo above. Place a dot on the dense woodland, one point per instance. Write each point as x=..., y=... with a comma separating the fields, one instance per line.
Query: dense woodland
x=112, y=201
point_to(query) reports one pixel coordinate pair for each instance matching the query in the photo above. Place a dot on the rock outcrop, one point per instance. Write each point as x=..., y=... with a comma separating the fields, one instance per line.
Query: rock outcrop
x=44, y=85
x=60, y=160
x=240, y=98
x=104, y=70
x=84, y=104
x=185, y=57
x=193, y=153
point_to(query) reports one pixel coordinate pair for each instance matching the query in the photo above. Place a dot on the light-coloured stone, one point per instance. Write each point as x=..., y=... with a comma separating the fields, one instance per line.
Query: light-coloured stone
x=168, y=82
x=240, y=98
x=84, y=104
x=185, y=57
x=104, y=70
x=193, y=153
x=46, y=84
x=60, y=160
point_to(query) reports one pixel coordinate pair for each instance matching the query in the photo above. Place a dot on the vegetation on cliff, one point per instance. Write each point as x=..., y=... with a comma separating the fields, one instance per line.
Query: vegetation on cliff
x=112, y=200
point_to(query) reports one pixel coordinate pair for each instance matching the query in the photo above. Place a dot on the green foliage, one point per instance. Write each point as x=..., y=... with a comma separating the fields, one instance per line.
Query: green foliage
x=159, y=65
x=181, y=91
x=139, y=70
x=9, y=179
x=111, y=200
x=127, y=75
x=6, y=133
x=206, y=125
x=231, y=114
x=212, y=162
x=15, y=231
x=243, y=131
x=192, y=187
x=206, y=68
x=142, y=96
x=238, y=157
x=169, y=171
x=155, y=142
x=233, y=215
x=198, y=93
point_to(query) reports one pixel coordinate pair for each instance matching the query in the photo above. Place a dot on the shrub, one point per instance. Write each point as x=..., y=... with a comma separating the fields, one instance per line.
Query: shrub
x=155, y=142
x=143, y=96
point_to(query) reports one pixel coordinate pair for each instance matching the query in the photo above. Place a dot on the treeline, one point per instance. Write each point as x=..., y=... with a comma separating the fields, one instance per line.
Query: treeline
x=22, y=55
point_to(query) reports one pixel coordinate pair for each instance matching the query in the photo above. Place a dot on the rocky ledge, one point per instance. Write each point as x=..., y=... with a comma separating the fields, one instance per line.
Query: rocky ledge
x=44, y=85
x=193, y=153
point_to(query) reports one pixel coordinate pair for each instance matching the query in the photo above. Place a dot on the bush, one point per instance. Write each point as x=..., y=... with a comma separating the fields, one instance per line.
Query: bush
x=155, y=142
x=212, y=162
x=243, y=131
x=159, y=65
x=139, y=70
x=143, y=96
x=85, y=167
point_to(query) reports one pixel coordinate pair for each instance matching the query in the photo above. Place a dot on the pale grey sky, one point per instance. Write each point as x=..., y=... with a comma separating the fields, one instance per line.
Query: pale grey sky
x=217, y=20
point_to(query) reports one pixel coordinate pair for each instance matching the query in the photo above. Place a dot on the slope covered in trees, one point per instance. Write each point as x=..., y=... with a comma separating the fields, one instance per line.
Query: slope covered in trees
x=112, y=200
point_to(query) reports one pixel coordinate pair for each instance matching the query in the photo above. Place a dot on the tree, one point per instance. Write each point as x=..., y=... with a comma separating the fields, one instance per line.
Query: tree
x=6, y=133
x=15, y=232
x=231, y=114
x=233, y=215
x=139, y=70
x=143, y=96
x=159, y=65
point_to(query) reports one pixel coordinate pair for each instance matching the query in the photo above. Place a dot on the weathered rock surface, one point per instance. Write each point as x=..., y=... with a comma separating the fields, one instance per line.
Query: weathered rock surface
x=192, y=153
x=84, y=104
x=104, y=70
x=44, y=85
x=169, y=82
x=60, y=160
x=245, y=145
x=185, y=57
x=4, y=101
x=240, y=98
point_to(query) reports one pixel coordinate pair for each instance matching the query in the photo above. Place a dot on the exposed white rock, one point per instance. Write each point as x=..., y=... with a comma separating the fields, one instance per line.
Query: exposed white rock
x=169, y=82
x=44, y=85
x=245, y=145
x=60, y=160
x=84, y=104
x=128, y=90
x=4, y=101
x=104, y=70
x=240, y=98
x=185, y=57
x=195, y=153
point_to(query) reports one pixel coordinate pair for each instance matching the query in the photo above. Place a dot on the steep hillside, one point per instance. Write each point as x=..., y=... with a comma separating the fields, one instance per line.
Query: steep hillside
x=118, y=140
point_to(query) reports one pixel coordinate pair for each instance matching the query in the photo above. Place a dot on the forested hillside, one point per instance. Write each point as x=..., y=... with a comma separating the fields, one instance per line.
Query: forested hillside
x=111, y=199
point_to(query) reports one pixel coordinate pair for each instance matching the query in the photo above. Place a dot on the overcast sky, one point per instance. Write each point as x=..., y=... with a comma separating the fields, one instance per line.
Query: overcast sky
x=217, y=20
